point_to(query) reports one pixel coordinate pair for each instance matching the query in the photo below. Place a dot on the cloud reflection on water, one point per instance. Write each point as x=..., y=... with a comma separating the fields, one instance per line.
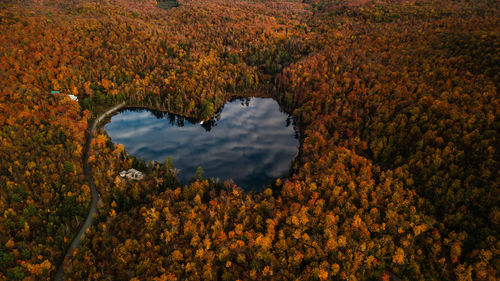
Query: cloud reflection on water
x=249, y=144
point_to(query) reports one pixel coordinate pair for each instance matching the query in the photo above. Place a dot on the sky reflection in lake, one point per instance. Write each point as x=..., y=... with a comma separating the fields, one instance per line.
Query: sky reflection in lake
x=252, y=142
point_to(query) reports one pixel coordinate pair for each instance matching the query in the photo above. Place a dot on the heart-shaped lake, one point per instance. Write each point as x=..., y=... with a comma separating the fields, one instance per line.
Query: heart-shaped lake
x=250, y=141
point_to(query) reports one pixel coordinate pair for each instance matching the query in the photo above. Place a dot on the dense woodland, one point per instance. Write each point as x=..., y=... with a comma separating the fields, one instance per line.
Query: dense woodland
x=397, y=103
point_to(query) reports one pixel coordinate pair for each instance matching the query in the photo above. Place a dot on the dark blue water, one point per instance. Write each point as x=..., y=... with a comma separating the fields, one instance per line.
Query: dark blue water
x=250, y=141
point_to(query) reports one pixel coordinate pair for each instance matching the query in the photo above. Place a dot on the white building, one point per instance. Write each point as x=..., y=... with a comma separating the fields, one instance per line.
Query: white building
x=132, y=174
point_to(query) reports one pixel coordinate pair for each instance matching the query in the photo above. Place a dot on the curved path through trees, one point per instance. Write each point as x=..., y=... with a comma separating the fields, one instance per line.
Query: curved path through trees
x=95, y=198
x=95, y=195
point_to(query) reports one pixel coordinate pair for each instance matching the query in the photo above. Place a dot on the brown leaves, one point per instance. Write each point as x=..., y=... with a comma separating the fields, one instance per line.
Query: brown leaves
x=106, y=84
x=399, y=256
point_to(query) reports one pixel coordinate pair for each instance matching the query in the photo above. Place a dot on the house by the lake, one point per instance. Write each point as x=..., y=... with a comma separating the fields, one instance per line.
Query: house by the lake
x=72, y=97
x=132, y=174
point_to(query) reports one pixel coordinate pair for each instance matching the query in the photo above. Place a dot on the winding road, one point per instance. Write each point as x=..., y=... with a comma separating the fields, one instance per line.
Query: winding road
x=95, y=195
x=95, y=198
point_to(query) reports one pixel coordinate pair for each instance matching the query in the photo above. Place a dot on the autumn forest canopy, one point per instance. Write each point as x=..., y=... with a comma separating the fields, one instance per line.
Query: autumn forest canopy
x=397, y=104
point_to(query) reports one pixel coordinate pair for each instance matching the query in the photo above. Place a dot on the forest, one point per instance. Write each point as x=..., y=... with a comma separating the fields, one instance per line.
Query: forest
x=397, y=103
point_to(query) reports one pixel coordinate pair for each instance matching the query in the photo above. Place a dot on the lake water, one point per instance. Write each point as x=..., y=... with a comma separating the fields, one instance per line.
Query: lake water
x=250, y=141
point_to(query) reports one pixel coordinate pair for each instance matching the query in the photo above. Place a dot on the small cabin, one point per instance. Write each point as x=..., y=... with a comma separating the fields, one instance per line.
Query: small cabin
x=72, y=97
x=167, y=4
x=132, y=174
